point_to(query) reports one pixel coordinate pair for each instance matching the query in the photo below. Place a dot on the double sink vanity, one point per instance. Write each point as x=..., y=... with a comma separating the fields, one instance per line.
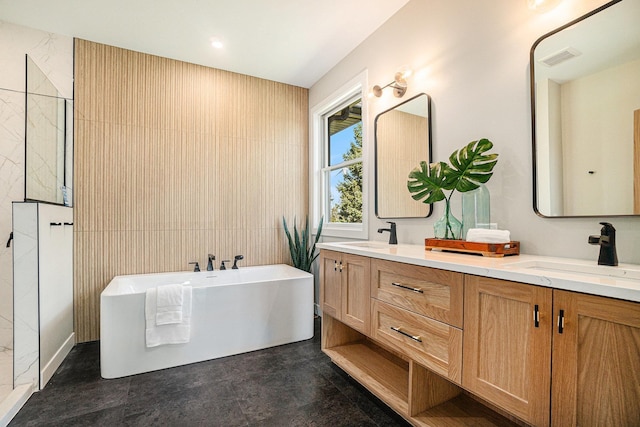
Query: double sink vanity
x=448, y=339
x=457, y=339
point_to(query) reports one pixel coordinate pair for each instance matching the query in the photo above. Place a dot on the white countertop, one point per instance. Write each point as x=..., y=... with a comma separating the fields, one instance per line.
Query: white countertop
x=585, y=276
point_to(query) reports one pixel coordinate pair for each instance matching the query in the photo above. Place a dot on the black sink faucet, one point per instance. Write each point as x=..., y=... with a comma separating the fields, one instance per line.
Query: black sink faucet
x=210, y=262
x=196, y=265
x=393, y=237
x=607, y=242
x=235, y=261
x=222, y=266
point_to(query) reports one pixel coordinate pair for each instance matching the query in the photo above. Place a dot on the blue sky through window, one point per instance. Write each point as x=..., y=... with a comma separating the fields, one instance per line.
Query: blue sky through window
x=339, y=144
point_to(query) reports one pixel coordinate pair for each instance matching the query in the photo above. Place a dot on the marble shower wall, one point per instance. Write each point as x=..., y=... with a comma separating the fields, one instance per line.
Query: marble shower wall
x=11, y=188
x=54, y=55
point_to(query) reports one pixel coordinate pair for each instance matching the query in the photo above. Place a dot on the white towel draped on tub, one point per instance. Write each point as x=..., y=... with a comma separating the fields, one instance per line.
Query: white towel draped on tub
x=164, y=301
x=169, y=305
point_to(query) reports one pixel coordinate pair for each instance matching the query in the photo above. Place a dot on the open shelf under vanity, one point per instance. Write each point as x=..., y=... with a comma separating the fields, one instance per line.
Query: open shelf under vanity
x=419, y=395
x=379, y=371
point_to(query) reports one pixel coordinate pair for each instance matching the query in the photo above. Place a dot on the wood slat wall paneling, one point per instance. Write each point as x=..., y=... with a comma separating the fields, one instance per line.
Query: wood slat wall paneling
x=174, y=161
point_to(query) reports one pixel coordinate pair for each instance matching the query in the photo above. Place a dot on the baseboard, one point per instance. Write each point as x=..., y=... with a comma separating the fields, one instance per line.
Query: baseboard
x=10, y=406
x=57, y=359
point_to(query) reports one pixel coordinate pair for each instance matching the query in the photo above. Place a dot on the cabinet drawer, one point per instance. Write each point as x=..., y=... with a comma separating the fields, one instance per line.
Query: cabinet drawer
x=434, y=344
x=428, y=291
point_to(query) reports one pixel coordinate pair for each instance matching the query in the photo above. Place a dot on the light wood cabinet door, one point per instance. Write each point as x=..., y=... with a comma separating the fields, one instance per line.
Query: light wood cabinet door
x=344, y=288
x=330, y=283
x=507, y=346
x=596, y=361
x=356, y=305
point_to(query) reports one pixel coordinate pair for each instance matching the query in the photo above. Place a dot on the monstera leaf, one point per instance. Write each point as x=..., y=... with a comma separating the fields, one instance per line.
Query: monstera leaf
x=428, y=183
x=470, y=167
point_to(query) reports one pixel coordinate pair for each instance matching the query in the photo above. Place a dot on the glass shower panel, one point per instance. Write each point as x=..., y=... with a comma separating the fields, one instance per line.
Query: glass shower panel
x=46, y=129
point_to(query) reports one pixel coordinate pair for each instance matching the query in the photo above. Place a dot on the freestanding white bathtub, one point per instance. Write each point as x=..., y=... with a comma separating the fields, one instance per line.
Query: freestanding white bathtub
x=233, y=311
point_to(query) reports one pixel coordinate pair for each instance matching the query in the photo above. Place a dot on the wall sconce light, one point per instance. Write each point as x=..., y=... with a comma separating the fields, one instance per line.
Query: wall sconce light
x=399, y=85
x=542, y=5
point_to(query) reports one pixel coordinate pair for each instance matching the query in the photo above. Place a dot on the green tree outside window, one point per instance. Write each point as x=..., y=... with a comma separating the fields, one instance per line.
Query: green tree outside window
x=349, y=209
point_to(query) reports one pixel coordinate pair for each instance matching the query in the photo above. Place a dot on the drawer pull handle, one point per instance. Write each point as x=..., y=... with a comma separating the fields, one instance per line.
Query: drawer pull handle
x=413, y=337
x=409, y=288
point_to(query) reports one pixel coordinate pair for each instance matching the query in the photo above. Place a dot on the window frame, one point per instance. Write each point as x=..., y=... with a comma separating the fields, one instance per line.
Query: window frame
x=319, y=150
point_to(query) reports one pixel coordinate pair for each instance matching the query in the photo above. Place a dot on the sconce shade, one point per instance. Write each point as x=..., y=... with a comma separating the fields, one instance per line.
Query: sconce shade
x=400, y=87
x=400, y=80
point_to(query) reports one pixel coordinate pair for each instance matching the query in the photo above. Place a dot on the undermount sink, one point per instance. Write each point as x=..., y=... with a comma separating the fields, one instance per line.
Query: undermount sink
x=625, y=272
x=368, y=245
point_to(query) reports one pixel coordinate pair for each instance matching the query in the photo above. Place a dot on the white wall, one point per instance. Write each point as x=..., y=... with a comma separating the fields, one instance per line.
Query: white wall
x=53, y=53
x=600, y=104
x=475, y=58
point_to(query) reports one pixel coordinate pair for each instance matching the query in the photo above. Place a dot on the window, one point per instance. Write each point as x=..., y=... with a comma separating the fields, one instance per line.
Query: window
x=338, y=161
x=342, y=168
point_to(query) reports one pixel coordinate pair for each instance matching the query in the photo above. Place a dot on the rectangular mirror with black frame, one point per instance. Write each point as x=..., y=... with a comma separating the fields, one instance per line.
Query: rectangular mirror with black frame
x=585, y=93
x=402, y=141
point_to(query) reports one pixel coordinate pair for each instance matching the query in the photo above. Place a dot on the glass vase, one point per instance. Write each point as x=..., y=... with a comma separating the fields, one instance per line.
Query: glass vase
x=447, y=227
x=475, y=209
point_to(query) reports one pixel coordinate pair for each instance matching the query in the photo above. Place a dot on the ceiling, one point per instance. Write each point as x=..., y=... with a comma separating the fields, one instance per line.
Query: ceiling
x=289, y=41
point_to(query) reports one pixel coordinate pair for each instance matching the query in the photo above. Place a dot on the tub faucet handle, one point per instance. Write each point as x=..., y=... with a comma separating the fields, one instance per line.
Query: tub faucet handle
x=210, y=262
x=235, y=261
x=222, y=266
x=196, y=266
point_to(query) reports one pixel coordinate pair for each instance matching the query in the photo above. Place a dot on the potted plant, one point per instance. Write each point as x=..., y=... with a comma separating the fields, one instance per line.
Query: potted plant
x=302, y=255
x=470, y=167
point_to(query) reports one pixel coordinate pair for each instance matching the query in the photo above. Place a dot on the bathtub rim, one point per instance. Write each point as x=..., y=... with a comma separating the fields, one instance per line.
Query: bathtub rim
x=111, y=290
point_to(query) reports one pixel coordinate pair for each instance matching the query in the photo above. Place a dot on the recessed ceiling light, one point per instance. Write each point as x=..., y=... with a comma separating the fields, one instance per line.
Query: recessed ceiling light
x=217, y=43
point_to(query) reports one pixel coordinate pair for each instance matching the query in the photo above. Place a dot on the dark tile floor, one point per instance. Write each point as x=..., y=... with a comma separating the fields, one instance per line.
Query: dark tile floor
x=290, y=385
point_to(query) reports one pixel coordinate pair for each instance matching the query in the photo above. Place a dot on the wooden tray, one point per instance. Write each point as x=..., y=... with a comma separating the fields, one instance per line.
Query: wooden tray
x=484, y=249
